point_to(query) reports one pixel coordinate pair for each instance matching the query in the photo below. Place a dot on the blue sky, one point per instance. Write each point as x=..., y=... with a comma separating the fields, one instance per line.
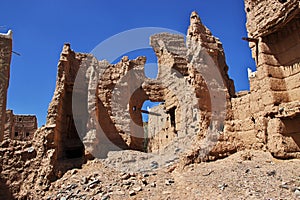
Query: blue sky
x=40, y=28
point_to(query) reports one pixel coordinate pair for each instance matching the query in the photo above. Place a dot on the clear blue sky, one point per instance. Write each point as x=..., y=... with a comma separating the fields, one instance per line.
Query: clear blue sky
x=40, y=28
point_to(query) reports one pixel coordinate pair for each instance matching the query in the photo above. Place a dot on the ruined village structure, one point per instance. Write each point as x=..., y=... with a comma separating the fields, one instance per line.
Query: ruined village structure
x=18, y=127
x=265, y=118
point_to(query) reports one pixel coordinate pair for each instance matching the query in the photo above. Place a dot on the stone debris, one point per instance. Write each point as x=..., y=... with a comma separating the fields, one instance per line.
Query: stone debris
x=166, y=192
x=125, y=176
x=284, y=185
x=169, y=181
x=93, y=183
x=144, y=181
x=154, y=165
x=137, y=189
x=153, y=184
x=132, y=193
x=105, y=197
x=222, y=186
x=297, y=192
x=71, y=186
x=271, y=173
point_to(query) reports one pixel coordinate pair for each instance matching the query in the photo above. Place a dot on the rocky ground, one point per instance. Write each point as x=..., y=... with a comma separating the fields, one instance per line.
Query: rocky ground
x=244, y=175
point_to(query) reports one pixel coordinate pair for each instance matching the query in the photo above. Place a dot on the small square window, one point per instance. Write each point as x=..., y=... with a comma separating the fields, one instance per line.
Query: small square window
x=27, y=134
x=16, y=134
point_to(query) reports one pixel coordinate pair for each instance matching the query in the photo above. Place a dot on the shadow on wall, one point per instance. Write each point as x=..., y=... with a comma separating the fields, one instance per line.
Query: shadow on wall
x=292, y=129
x=110, y=131
x=285, y=44
x=5, y=193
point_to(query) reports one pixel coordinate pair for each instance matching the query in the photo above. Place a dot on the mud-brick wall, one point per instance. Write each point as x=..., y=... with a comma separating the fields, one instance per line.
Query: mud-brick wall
x=248, y=124
x=24, y=127
x=274, y=30
x=278, y=62
x=60, y=117
x=264, y=15
x=281, y=48
x=274, y=38
x=5, y=57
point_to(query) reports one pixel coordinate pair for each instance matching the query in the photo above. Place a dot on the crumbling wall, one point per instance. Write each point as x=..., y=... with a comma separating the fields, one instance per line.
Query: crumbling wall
x=273, y=30
x=5, y=58
x=200, y=35
x=20, y=127
x=160, y=130
x=120, y=91
x=116, y=92
x=60, y=130
x=258, y=121
x=27, y=167
x=202, y=72
x=9, y=124
x=21, y=174
x=266, y=117
x=266, y=16
x=275, y=45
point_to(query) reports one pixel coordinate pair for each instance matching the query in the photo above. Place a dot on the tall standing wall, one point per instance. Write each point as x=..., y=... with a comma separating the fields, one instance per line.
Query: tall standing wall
x=5, y=58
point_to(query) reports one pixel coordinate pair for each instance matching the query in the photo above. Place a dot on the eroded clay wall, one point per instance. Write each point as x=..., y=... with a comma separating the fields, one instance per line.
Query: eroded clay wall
x=5, y=58
x=262, y=115
x=60, y=121
x=264, y=16
x=269, y=109
x=161, y=130
x=9, y=123
x=23, y=127
x=273, y=27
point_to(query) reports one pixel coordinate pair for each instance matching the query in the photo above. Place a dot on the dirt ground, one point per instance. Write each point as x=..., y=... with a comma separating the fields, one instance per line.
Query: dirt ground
x=244, y=175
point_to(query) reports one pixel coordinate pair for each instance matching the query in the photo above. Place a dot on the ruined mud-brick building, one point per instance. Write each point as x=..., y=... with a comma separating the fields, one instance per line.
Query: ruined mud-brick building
x=266, y=117
x=20, y=127
x=107, y=98
x=96, y=106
